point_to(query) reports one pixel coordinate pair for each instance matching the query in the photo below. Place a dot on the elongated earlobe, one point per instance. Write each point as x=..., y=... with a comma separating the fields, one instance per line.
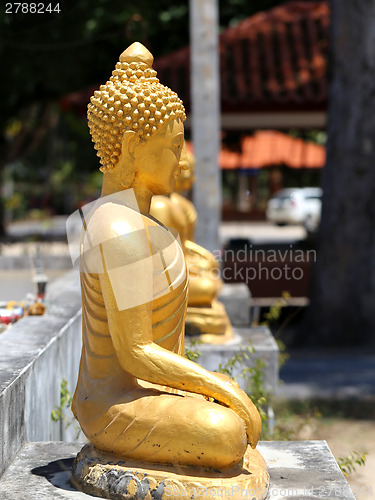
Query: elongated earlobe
x=126, y=160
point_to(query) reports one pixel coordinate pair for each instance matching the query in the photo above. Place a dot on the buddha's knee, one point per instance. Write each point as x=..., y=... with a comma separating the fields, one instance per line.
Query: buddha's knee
x=226, y=434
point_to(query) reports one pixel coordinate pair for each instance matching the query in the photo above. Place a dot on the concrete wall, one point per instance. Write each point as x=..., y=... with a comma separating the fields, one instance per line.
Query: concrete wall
x=36, y=354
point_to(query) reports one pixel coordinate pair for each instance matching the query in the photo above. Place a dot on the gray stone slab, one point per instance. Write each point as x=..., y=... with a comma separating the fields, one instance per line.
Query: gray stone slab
x=265, y=349
x=236, y=299
x=304, y=470
x=299, y=470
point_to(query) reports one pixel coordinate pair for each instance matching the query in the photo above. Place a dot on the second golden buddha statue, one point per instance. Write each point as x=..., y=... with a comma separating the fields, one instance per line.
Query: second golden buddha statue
x=205, y=314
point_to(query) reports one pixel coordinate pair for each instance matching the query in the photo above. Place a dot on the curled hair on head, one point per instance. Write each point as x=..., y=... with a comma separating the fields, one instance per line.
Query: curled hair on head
x=132, y=99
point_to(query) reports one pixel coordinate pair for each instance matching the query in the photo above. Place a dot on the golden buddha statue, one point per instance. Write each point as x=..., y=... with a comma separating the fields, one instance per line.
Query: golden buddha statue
x=137, y=397
x=183, y=189
x=205, y=314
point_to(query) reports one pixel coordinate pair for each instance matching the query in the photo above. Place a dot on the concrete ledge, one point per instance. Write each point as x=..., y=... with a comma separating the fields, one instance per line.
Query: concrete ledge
x=265, y=349
x=11, y=262
x=299, y=470
x=36, y=353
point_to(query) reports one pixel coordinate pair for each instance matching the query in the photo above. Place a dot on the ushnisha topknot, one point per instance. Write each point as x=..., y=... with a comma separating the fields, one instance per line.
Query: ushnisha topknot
x=132, y=99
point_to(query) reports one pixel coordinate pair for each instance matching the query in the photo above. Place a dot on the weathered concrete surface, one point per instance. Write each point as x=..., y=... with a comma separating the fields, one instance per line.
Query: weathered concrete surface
x=36, y=354
x=236, y=299
x=265, y=349
x=302, y=470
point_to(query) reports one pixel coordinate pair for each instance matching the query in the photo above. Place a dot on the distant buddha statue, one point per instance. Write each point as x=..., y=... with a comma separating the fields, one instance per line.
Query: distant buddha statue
x=205, y=314
x=137, y=397
x=183, y=189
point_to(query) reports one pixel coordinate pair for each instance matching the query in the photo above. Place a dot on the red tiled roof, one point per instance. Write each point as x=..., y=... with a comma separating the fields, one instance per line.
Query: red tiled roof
x=229, y=160
x=276, y=58
x=270, y=147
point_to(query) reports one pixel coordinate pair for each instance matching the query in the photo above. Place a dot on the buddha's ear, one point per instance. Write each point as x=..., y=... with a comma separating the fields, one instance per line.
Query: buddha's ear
x=128, y=143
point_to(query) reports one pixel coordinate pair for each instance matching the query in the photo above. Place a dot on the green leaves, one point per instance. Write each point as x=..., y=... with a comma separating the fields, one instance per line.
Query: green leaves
x=193, y=354
x=349, y=464
x=66, y=399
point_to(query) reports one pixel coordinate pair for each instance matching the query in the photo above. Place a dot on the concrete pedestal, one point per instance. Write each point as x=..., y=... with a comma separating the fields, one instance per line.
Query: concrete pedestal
x=236, y=299
x=265, y=349
x=302, y=470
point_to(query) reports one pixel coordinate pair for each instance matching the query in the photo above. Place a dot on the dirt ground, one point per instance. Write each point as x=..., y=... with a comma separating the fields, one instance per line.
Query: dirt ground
x=345, y=436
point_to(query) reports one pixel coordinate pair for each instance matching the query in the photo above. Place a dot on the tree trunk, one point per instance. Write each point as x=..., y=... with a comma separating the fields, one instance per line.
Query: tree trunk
x=343, y=293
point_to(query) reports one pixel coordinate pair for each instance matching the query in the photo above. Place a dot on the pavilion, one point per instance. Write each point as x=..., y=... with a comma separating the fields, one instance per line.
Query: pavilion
x=273, y=71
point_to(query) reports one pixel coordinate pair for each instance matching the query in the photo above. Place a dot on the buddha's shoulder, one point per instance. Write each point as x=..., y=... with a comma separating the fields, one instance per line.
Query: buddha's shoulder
x=164, y=210
x=184, y=203
x=113, y=220
x=161, y=207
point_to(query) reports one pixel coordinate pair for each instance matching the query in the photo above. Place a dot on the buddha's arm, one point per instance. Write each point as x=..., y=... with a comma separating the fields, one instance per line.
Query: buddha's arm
x=131, y=332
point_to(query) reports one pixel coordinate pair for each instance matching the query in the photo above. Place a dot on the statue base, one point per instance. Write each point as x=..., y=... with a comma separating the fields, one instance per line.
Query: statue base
x=107, y=476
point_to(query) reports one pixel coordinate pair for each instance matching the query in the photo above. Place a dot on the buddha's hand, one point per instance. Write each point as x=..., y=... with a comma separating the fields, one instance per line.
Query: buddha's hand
x=241, y=404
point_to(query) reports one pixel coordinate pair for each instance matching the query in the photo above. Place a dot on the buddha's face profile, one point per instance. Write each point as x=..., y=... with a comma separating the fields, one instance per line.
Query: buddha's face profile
x=157, y=161
x=186, y=179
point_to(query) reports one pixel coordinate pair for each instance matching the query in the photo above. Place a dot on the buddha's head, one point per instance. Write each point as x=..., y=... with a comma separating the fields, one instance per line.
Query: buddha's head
x=133, y=100
x=186, y=178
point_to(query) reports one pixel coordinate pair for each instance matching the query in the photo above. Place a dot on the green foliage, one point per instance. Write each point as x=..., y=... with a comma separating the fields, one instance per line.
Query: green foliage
x=272, y=316
x=317, y=136
x=58, y=414
x=283, y=354
x=274, y=312
x=191, y=352
x=349, y=464
x=236, y=360
x=254, y=377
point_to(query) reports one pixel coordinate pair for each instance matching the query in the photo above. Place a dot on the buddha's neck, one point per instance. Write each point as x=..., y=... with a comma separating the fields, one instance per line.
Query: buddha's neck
x=142, y=194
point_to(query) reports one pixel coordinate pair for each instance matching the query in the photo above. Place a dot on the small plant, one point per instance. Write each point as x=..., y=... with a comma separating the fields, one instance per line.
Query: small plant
x=58, y=414
x=272, y=316
x=283, y=355
x=237, y=359
x=349, y=464
x=254, y=376
x=275, y=310
x=191, y=352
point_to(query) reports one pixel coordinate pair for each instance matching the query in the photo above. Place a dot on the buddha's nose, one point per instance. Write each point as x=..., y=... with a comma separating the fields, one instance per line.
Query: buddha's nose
x=183, y=164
